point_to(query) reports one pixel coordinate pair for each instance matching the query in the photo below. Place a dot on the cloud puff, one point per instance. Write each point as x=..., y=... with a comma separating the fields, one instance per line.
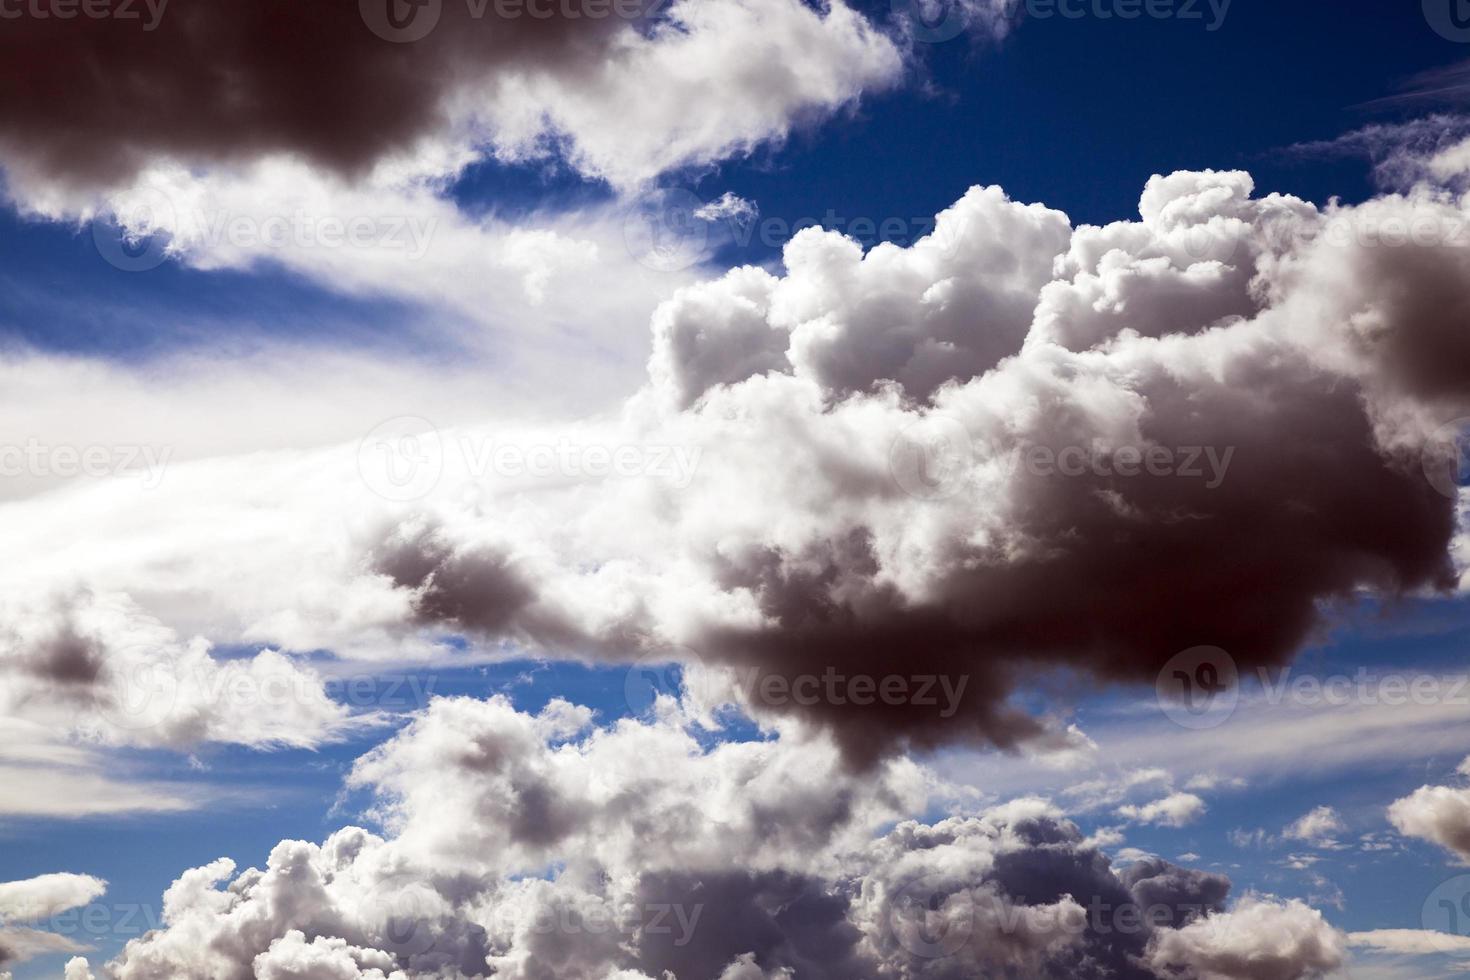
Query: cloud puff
x=1174, y=810
x=539, y=846
x=96, y=666
x=1259, y=939
x=1317, y=827
x=1440, y=814
x=33, y=900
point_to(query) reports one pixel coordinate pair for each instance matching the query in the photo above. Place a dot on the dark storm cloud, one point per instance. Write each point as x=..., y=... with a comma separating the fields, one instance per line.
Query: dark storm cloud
x=479, y=590
x=1127, y=572
x=89, y=100
x=1291, y=429
x=787, y=921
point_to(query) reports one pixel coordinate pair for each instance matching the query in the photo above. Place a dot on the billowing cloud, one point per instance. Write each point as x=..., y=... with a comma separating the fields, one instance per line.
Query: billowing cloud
x=1259, y=939
x=95, y=666
x=1174, y=810
x=1317, y=827
x=1440, y=814
x=539, y=846
x=1014, y=447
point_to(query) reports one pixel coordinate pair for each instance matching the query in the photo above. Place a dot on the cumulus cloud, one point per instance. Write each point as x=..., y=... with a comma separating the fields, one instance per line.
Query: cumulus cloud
x=1002, y=450
x=1259, y=939
x=1439, y=814
x=1317, y=827
x=541, y=845
x=1174, y=810
x=94, y=665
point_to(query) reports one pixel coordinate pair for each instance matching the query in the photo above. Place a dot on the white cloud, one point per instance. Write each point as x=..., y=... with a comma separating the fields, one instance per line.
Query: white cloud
x=1174, y=810
x=1259, y=937
x=1440, y=814
x=1414, y=941
x=33, y=900
x=1317, y=827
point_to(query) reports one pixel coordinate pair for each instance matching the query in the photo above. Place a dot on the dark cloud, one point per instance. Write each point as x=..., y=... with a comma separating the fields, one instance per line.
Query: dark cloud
x=476, y=590
x=90, y=100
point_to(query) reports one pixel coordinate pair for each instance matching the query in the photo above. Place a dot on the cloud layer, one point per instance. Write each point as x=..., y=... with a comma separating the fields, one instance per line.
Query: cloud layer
x=1014, y=447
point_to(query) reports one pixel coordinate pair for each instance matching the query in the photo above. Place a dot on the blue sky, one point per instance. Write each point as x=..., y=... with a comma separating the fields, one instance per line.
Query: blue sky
x=215, y=353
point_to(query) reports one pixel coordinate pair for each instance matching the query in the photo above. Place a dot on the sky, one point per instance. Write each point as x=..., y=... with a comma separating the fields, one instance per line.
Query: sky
x=734, y=489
